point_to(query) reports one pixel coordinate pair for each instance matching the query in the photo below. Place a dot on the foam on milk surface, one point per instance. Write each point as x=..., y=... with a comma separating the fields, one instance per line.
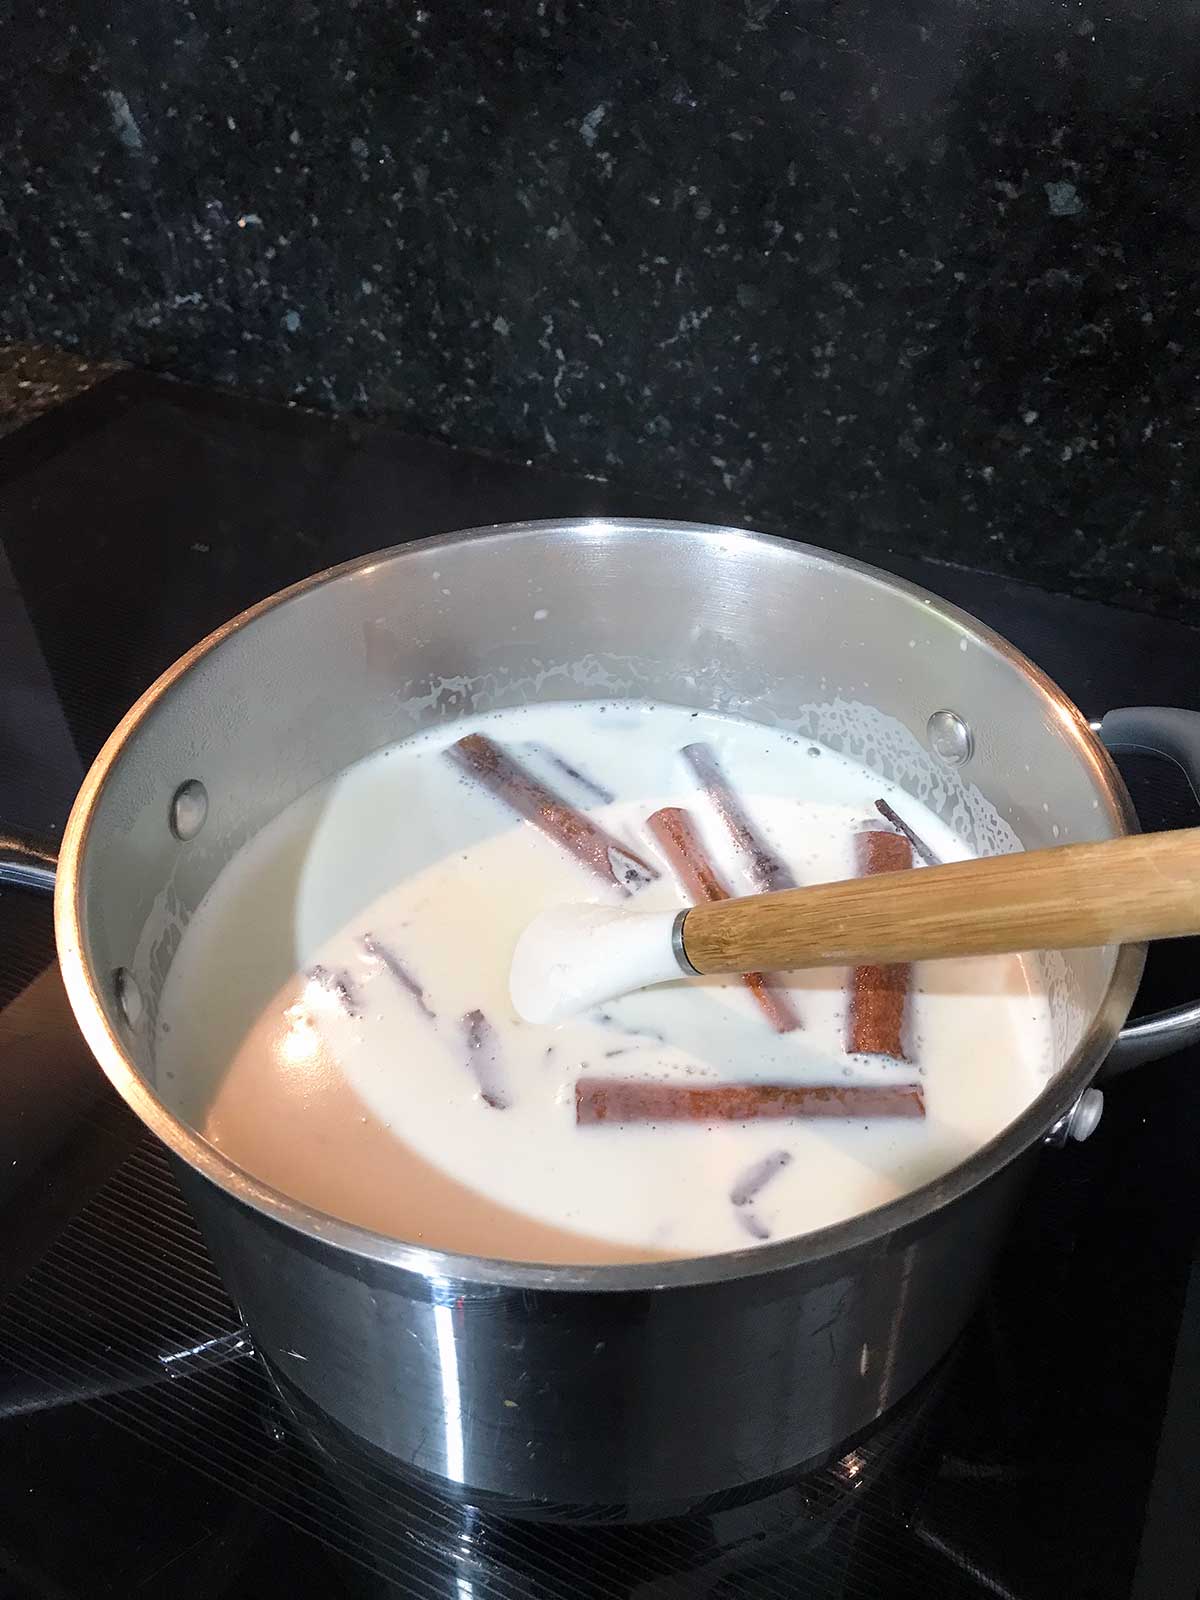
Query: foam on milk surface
x=356, y=1094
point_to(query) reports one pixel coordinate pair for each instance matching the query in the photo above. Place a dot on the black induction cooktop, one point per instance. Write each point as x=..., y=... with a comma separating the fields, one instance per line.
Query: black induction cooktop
x=143, y=1452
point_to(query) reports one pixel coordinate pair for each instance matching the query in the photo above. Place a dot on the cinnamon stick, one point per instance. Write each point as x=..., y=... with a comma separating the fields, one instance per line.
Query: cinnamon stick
x=639, y=1100
x=879, y=994
x=483, y=1048
x=510, y=783
x=680, y=843
x=764, y=868
x=914, y=839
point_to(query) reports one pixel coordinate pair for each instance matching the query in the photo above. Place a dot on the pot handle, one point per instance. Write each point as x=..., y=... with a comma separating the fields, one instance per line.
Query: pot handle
x=1173, y=734
x=26, y=862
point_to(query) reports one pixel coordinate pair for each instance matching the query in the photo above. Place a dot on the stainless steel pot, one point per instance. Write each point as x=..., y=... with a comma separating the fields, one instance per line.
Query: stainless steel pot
x=601, y=1391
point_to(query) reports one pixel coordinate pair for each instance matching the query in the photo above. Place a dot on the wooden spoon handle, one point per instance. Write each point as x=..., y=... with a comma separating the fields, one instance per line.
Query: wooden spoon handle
x=1120, y=891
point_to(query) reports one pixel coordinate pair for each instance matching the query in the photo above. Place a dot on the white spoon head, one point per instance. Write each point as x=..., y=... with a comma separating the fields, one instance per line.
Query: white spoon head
x=576, y=956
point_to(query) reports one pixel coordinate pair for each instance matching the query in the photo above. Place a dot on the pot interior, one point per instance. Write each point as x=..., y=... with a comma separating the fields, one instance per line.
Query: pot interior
x=703, y=617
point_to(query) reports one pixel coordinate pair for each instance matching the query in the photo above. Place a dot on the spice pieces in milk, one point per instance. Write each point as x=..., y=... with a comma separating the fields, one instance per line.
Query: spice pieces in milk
x=337, y=1018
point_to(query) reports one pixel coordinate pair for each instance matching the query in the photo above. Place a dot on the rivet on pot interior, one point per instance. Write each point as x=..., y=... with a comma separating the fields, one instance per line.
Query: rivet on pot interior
x=950, y=738
x=129, y=997
x=189, y=808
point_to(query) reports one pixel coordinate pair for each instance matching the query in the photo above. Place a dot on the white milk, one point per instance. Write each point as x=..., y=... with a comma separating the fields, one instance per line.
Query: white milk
x=355, y=1094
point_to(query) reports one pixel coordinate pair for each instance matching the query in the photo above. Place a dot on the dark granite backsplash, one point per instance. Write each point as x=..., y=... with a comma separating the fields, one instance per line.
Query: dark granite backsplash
x=919, y=274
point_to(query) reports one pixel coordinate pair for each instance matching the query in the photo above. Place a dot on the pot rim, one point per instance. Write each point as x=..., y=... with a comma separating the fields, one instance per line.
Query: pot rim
x=865, y=1228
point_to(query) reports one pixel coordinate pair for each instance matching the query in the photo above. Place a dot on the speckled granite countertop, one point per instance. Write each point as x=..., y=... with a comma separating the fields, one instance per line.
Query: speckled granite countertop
x=35, y=377
x=923, y=278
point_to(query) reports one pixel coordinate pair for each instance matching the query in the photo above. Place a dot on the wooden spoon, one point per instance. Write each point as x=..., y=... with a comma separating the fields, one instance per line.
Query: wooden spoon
x=1119, y=891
